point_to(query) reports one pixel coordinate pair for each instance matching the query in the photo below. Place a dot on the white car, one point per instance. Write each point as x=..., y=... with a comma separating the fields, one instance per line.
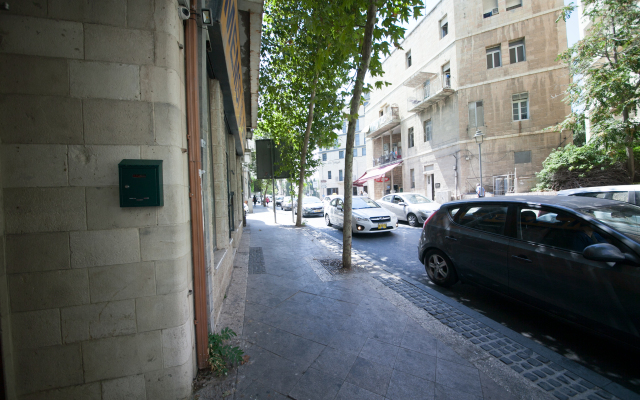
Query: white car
x=367, y=215
x=327, y=200
x=411, y=207
x=286, y=203
x=627, y=193
x=311, y=206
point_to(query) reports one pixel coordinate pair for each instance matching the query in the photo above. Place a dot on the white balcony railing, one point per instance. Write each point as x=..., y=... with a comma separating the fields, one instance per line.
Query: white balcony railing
x=429, y=92
x=390, y=119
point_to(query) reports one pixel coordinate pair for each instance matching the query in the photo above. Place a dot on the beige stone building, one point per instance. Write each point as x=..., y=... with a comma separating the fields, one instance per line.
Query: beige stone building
x=98, y=299
x=469, y=66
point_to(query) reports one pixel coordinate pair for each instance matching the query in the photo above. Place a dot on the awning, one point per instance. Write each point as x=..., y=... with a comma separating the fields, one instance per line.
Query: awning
x=375, y=173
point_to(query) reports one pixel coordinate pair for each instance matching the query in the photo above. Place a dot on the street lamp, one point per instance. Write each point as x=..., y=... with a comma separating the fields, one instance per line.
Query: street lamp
x=479, y=137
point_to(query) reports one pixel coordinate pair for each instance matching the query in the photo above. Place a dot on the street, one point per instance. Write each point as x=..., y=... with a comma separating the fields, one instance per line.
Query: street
x=398, y=251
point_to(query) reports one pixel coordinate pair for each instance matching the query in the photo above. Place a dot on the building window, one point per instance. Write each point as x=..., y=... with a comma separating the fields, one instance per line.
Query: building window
x=522, y=157
x=444, y=27
x=511, y=4
x=340, y=177
x=380, y=113
x=328, y=174
x=427, y=130
x=411, y=137
x=494, y=56
x=490, y=8
x=324, y=156
x=408, y=56
x=357, y=139
x=520, y=104
x=341, y=154
x=358, y=125
x=476, y=114
x=355, y=152
x=446, y=75
x=364, y=151
x=413, y=178
x=517, y=51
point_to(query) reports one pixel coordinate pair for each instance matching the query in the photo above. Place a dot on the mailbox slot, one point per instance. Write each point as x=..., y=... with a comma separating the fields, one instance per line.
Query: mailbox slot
x=140, y=183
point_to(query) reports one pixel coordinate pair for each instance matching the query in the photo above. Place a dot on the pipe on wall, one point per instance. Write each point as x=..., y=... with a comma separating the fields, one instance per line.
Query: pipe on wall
x=195, y=187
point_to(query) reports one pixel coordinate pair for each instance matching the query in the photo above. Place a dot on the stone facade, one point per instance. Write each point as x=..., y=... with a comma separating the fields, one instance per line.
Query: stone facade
x=445, y=165
x=96, y=301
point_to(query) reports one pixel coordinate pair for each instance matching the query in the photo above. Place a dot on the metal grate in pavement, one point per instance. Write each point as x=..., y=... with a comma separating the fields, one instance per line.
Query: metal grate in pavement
x=548, y=375
x=256, y=261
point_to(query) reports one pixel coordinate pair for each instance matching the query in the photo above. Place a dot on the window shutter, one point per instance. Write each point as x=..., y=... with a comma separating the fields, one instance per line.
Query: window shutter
x=472, y=114
x=512, y=55
x=489, y=61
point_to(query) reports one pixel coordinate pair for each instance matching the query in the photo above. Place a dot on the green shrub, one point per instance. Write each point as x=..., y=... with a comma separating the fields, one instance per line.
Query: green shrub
x=590, y=165
x=222, y=355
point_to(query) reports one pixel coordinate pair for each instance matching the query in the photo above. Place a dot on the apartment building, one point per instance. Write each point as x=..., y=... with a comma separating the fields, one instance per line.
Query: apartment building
x=329, y=177
x=482, y=69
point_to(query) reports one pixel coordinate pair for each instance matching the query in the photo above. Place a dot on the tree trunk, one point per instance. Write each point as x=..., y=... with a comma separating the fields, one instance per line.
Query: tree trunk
x=367, y=45
x=305, y=146
x=629, y=146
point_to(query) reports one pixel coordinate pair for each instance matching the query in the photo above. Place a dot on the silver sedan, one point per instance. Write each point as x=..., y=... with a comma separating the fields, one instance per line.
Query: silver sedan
x=411, y=207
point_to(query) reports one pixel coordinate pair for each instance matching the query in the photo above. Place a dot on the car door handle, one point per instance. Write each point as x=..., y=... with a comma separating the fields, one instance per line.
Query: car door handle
x=451, y=238
x=522, y=258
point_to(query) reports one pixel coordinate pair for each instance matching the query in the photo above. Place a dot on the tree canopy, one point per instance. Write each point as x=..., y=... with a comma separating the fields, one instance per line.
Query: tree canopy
x=605, y=66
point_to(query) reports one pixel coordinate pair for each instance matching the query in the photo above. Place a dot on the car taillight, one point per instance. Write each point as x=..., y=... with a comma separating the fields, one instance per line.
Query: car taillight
x=429, y=219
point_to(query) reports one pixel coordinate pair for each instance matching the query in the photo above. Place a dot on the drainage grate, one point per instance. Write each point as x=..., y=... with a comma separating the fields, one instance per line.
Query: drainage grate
x=256, y=261
x=548, y=375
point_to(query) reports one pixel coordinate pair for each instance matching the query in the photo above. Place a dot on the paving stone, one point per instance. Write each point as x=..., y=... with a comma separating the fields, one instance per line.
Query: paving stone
x=542, y=359
x=404, y=386
x=526, y=365
x=531, y=376
x=545, y=386
x=335, y=362
x=578, y=388
x=567, y=391
x=466, y=379
x=517, y=369
x=554, y=382
x=555, y=367
x=316, y=385
x=506, y=361
x=604, y=395
x=560, y=396
x=547, y=371
x=379, y=352
x=370, y=376
x=571, y=375
x=353, y=392
x=587, y=384
x=417, y=364
x=540, y=374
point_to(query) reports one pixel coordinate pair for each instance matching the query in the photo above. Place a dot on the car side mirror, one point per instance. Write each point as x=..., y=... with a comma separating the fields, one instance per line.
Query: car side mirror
x=603, y=252
x=402, y=203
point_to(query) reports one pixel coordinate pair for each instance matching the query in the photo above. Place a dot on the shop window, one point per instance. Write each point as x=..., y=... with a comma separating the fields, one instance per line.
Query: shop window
x=494, y=57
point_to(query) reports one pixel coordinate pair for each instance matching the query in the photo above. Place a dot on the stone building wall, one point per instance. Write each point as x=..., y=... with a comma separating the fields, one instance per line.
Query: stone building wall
x=100, y=302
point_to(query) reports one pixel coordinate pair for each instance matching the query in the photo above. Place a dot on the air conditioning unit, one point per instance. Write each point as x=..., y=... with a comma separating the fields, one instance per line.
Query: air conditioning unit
x=494, y=11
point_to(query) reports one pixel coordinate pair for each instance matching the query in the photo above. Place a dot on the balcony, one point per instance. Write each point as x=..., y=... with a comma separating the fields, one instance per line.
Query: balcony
x=384, y=123
x=428, y=91
x=387, y=159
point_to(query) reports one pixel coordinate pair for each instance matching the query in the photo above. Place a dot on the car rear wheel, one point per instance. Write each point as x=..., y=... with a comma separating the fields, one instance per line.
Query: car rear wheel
x=327, y=220
x=440, y=268
x=412, y=219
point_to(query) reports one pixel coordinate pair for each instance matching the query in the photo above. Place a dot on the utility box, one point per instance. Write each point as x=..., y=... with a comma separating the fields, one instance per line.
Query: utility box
x=140, y=183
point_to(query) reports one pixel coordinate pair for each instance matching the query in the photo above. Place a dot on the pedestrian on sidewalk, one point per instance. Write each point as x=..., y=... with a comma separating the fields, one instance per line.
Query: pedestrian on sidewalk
x=255, y=200
x=479, y=190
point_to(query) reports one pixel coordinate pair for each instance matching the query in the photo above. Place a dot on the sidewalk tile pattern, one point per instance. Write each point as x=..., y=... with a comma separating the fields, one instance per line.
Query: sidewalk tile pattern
x=549, y=376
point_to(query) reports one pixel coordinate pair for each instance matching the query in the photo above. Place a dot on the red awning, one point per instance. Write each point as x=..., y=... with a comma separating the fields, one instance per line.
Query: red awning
x=375, y=173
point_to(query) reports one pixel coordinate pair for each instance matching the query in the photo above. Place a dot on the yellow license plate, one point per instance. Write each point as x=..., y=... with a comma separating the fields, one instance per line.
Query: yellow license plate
x=382, y=226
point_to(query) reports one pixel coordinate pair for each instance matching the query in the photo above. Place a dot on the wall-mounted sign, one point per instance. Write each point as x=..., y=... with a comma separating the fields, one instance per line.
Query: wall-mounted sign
x=437, y=186
x=224, y=35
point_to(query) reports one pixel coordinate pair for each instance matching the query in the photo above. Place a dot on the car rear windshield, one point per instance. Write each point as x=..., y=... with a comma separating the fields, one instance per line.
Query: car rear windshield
x=624, y=218
x=360, y=202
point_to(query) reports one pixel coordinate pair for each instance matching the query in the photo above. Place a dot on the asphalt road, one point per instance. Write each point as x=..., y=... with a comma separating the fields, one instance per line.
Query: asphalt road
x=398, y=251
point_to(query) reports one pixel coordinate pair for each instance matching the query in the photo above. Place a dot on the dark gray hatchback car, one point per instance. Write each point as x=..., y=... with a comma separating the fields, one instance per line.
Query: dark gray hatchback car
x=575, y=257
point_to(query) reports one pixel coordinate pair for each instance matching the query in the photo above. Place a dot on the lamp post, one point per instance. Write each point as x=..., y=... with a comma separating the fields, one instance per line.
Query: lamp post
x=479, y=137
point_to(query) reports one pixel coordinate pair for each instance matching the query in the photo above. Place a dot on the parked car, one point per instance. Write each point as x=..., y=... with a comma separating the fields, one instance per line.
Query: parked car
x=327, y=200
x=311, y=206
x=628, y=193
x=576, y=257
x=367, y=215
x=411, y=207
x=286, y=203
x=279, y=200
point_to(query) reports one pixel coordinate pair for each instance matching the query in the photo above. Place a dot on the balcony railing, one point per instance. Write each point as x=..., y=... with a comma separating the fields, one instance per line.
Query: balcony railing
x=387, y=159
x=386, y=122
x=430, y=92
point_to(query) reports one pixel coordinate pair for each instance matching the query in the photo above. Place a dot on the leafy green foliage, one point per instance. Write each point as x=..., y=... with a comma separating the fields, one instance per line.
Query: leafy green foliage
x=605, y=65
x=590, y=165
x=222, y=355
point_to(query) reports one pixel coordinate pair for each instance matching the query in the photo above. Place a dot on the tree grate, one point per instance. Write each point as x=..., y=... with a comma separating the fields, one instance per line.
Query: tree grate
x=334, y=266
x=256, y=261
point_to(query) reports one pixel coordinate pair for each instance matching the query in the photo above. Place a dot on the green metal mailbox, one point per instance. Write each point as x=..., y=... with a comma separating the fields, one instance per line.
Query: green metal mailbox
x=140, y=183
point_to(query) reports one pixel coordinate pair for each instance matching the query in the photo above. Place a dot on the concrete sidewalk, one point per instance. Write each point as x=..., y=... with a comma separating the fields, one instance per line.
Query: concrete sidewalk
x=314, y=333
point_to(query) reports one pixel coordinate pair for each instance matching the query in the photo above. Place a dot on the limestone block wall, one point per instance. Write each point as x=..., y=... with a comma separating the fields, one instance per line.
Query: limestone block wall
x=99, y=301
